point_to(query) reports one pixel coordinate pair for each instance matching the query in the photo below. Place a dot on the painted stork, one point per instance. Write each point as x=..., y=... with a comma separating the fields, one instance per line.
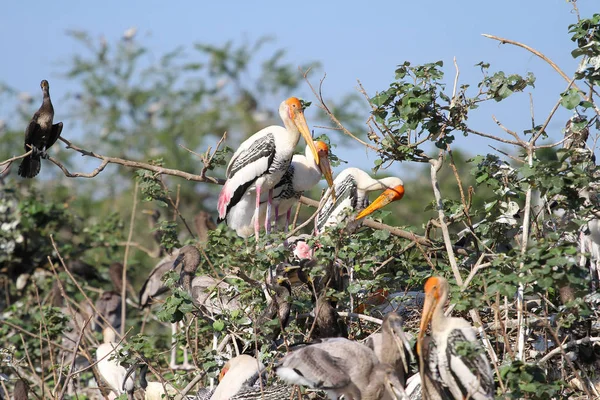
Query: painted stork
x=201, y=288
x=302, y=174
x=109, y=302
x=443, y=369
x=110, y=370
x=278, y=304
x=352, y=187
x=392, y=345
x=341, y=367
x=21, y=390
x=153, y=390
x=152, y=289
x=238, y=373
x=40, y=135
x=261, y=161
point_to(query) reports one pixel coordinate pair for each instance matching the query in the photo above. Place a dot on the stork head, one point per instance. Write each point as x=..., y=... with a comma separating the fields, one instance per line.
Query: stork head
x=393, y=324
x=323, y=163
x=436, y=294
x=292, y=114
x=393, y=193
x=242, y=369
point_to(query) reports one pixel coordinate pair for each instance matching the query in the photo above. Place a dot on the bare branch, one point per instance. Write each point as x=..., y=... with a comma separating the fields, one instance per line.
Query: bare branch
x=543, y=57
x=333, y=118
x=512, y=133
x=10, y=160
x=496, y=138
x=127, y=163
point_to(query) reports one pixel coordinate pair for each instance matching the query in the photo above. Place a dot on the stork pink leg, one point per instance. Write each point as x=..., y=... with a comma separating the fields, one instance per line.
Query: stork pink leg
x=268, y=216
x=257, y=214
x=288, y=215
x=276, y=217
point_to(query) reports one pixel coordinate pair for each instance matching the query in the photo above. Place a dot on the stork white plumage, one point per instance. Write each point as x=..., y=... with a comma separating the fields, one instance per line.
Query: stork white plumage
x=352, y=187
x=239, y=372
x=111, y=371
x=443, y=369
x=302, y=174
x=261, y=161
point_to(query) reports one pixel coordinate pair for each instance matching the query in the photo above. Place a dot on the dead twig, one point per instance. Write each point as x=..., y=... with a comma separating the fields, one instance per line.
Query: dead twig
x=323, y=106
x=127, y=163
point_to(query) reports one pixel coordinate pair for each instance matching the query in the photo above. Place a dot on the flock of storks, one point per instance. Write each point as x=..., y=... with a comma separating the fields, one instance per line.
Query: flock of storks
x=264, y=181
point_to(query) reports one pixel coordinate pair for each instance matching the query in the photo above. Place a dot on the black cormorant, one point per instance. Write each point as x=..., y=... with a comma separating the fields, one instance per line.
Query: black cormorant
x=40, y=135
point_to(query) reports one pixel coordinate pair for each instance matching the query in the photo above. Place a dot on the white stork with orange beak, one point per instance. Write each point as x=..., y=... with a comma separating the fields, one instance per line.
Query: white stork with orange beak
x=302, y=174
x=447, y=373
x=352, y=187
x=261, y=161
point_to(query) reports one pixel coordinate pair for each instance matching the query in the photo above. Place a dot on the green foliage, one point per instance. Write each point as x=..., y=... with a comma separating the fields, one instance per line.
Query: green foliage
x=160, y=105
x=528, y=381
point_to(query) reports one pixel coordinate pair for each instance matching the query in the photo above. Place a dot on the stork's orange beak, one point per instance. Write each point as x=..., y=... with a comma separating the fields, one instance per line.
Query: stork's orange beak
x=302, y=126
x=325, y=167
x=385, y=198
x=431, y=301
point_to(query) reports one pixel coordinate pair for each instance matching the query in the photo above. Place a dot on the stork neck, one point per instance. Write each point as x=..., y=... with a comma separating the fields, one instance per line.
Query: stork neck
x=186, y=280
x=291, y=127
x=438, y=319
x=108, y=335
x=310, y=159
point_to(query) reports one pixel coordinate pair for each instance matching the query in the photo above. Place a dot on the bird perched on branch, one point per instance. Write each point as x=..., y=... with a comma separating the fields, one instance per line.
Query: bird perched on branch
x=341, y=367
x=444, y=366
x=110, y=370
x=261, y=161
x=303, y=173
x=352, y=187
x=40, y=135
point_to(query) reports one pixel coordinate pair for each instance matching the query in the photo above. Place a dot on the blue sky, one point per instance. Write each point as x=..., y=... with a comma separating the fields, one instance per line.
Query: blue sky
x=351, y=39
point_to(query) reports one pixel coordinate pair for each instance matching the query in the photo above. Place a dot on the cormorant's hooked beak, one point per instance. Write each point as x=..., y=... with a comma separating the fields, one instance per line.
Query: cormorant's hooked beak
x=385, y=198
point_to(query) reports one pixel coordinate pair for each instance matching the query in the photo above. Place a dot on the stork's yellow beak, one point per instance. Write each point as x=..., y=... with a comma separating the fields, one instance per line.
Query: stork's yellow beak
x=385, y=198
x=302, y=126
x=430, y=303
x=325, y=168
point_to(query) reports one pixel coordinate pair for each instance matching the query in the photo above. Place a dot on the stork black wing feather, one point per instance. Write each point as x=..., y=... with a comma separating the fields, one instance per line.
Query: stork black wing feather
x=346, y=189
x=262, y=147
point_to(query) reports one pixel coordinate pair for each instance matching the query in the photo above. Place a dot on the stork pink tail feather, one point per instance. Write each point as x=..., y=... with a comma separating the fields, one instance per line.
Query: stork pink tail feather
x=224, y=198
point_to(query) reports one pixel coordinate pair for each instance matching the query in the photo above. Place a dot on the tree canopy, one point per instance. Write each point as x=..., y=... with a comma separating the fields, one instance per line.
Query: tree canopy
x=513, y=230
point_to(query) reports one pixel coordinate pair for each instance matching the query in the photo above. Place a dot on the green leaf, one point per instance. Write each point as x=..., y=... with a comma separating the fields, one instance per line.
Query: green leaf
x=218, y=325
x=570, y=99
